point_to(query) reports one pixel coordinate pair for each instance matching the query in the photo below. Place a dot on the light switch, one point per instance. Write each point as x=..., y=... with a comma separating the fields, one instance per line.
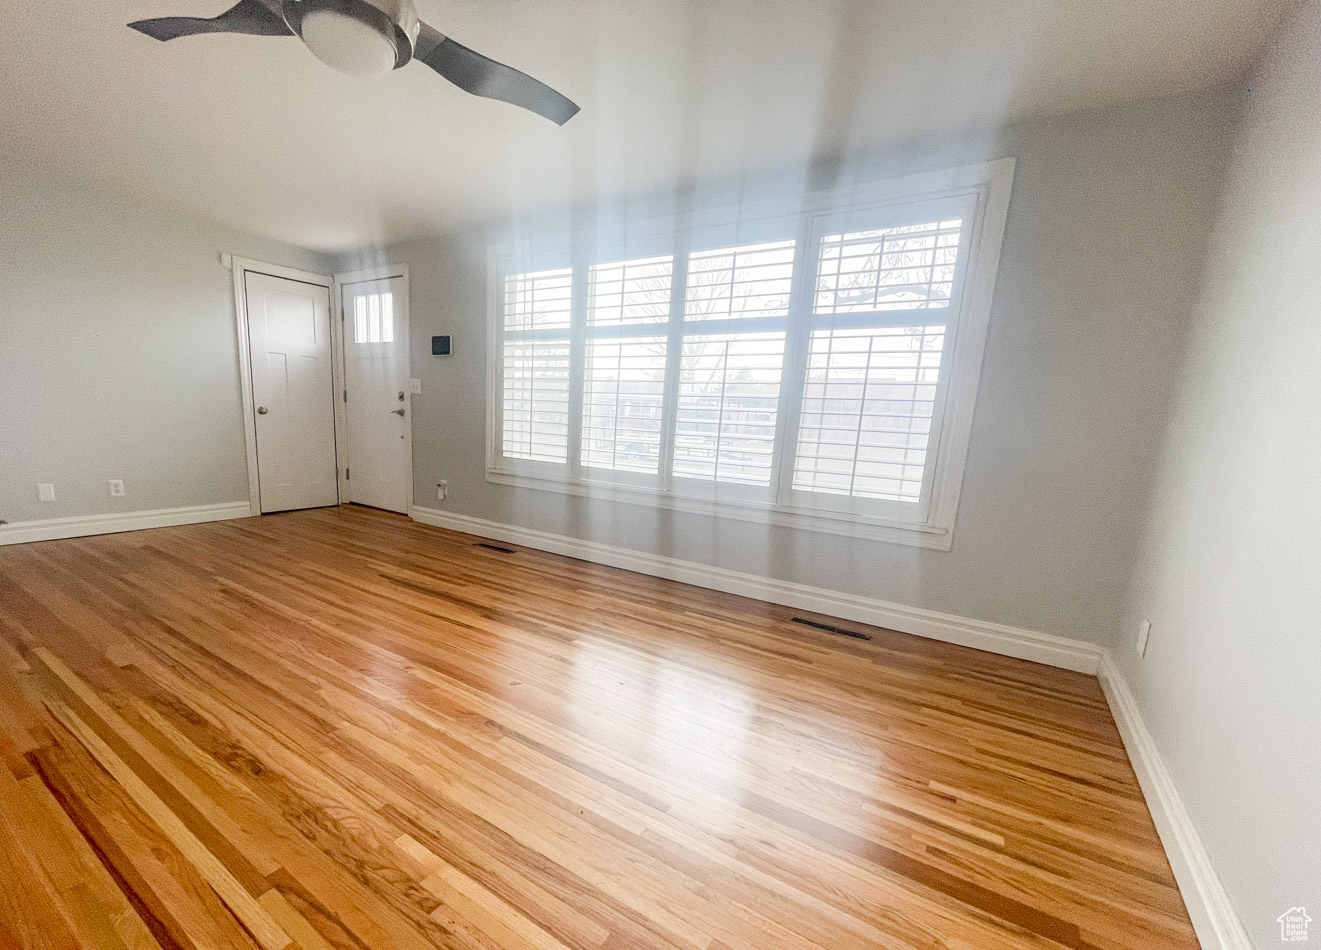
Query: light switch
x=415, y=386
x=45, y=492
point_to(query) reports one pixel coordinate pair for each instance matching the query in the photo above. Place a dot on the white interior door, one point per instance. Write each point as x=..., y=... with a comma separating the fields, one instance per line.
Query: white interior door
x=378, y=405
x=293, y=392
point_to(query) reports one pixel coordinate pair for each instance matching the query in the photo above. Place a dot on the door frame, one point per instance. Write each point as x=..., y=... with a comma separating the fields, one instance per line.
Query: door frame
x=339, y=282
x=240, y=267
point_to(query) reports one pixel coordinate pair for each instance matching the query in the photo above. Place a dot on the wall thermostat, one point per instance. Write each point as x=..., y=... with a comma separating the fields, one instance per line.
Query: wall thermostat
x=440, y=345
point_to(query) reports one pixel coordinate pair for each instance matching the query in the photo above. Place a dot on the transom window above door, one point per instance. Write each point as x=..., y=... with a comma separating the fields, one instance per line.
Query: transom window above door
x=816, y=368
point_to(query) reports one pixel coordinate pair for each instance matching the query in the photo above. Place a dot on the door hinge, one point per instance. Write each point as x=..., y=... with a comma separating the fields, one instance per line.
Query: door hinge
x=346, y=474
x=346, y=395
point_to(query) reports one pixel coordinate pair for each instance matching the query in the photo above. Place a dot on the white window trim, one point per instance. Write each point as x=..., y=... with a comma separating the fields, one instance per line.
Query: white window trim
x=990, y=182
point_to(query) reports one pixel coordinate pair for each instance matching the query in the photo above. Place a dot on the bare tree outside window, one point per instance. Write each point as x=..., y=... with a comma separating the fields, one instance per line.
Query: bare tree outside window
x=869, y=396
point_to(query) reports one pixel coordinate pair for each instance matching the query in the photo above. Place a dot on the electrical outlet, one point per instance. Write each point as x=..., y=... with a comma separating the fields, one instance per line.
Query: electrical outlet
x=442, y=490
x=45, y=492
x=415, y=386
x=1144, y=634
x=116, y=488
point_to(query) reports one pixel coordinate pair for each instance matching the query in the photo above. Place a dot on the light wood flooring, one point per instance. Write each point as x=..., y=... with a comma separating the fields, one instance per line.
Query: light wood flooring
x=338, y=728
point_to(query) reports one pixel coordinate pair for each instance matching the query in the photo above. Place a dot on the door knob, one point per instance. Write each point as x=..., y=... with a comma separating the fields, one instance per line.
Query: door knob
x=397, y=412
x=261, y=410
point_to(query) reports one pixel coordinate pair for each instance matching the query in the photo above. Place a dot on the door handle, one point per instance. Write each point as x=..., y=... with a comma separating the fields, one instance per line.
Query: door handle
x=261, y=410
x=396, y=412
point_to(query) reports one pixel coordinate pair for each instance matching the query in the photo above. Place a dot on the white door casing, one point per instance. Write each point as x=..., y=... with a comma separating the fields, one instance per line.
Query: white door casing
x=378, y=408
x=291, y=359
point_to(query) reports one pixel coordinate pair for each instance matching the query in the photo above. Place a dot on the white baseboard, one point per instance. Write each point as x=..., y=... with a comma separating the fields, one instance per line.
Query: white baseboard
x=1217, y=924
x=995, y=638
x=53, y=528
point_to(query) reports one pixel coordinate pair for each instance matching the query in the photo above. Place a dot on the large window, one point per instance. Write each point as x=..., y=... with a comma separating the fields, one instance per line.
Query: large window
x=815, y=368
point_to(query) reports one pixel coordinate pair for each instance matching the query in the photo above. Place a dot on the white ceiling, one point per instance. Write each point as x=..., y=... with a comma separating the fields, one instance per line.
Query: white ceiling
x=255, y=133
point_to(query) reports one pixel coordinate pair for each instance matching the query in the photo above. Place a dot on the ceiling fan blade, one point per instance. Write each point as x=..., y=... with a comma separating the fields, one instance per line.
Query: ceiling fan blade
x=472, y=72
x=250, y=17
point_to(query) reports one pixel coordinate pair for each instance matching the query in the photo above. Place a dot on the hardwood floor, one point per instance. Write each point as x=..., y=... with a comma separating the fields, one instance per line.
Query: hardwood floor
x=337, y=728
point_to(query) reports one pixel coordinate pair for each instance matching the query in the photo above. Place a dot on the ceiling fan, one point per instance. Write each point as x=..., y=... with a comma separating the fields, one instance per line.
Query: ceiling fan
x=370, y=38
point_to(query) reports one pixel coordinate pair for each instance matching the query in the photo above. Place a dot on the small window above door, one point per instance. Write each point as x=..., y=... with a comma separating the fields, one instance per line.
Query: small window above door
x=373, y=318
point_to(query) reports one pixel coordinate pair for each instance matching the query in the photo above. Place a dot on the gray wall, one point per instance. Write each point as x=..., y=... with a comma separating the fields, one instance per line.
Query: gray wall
x=1107, y=229
x=118, y=353
x=1230, y=573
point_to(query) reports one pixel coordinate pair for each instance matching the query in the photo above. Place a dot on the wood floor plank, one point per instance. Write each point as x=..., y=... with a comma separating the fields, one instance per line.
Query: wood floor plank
x=340, y=729
x=29, y=904
x=168, y=893
x=244, y=905
x=98, y=910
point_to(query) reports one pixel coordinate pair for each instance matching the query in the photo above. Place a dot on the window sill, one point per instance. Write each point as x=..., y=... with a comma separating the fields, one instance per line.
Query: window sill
x=826, y=522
